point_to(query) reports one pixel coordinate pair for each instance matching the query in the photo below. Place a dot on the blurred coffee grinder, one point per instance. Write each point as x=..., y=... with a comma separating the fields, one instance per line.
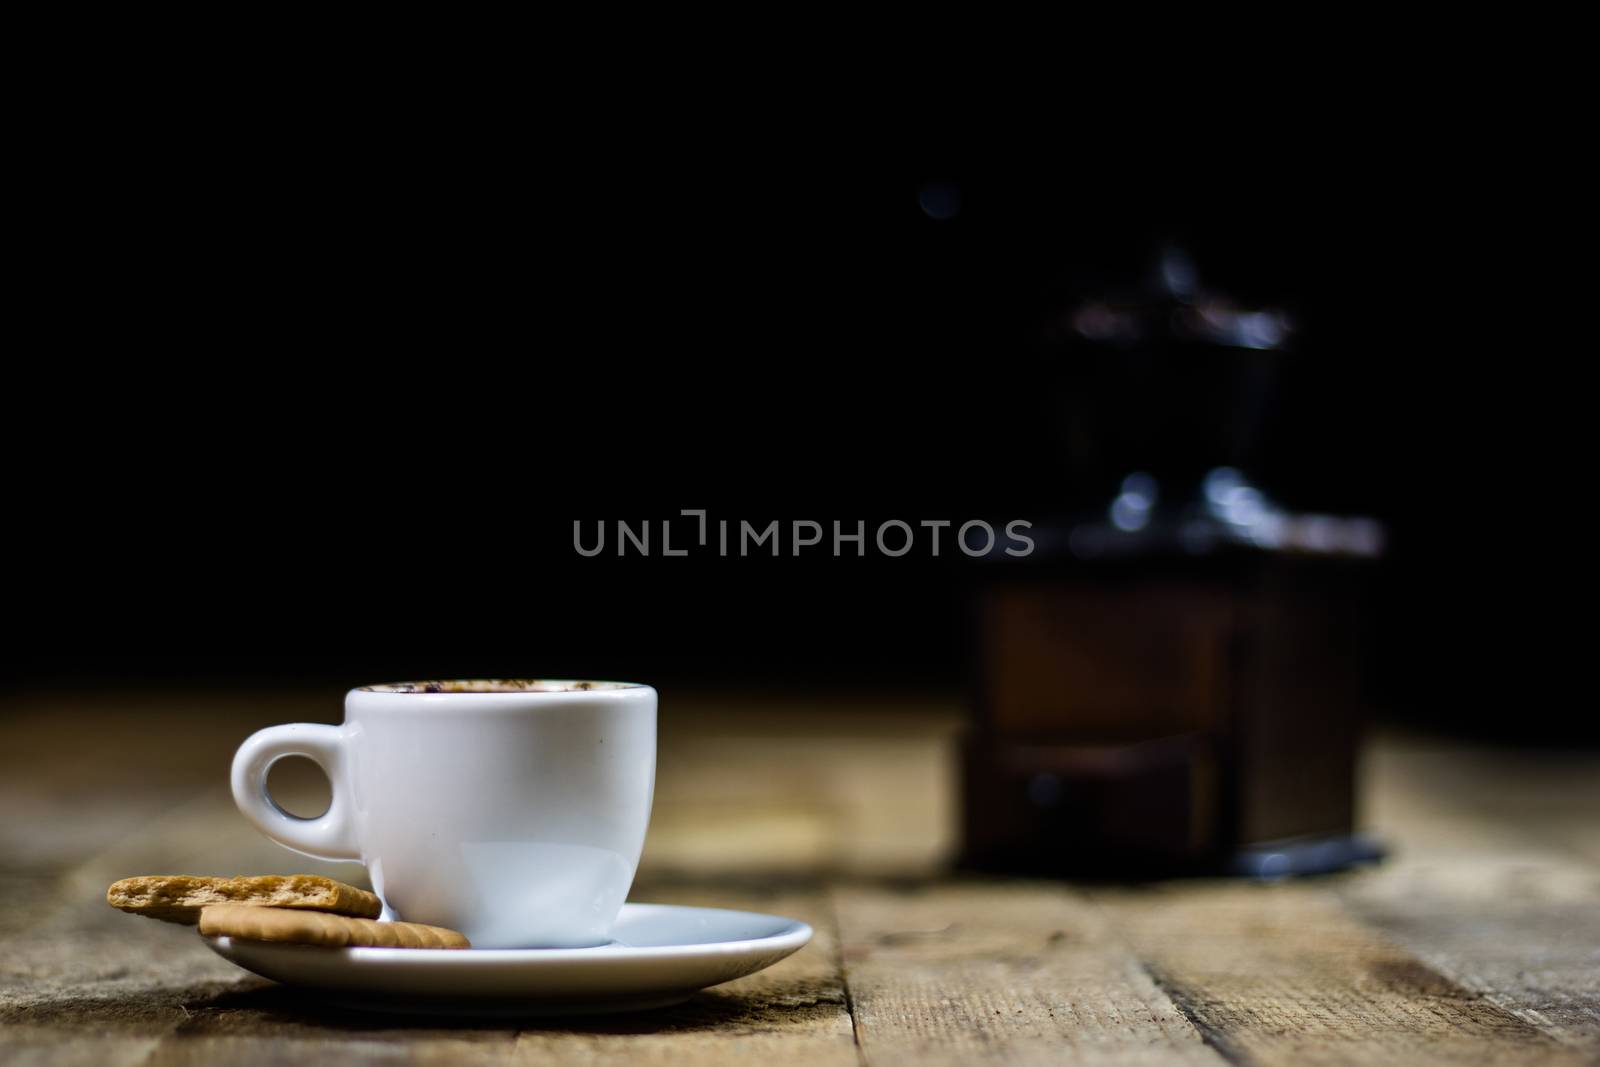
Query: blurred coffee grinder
x=1170, y=684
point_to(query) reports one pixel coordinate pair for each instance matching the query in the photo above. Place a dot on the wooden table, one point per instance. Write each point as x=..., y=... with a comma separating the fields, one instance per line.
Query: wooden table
x=1478, y=942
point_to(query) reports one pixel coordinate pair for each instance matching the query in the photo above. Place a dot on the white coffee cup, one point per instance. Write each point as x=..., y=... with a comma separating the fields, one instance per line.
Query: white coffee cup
x=514, y=812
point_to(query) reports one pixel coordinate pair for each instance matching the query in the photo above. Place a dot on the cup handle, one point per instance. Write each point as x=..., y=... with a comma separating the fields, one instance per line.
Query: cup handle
x=330, y=836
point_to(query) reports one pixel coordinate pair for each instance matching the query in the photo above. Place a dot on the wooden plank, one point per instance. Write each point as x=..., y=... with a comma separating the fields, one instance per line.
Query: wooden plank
x=102, y=987
x=794, y=787
x=1525, y=938
x=1478, y=943
x=80, y=982
x=271, y=1025
x=1283, y=974
x=1494, y=881
x=92, y=771
x=1470, y=802
x=988, y=971
x=793, y=1013
x=83, y=983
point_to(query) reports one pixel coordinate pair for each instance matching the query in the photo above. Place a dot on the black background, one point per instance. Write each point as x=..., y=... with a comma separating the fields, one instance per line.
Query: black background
x=323, y=406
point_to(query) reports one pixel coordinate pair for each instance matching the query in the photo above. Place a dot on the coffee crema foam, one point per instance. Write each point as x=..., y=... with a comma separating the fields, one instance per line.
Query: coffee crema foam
x=497, y=685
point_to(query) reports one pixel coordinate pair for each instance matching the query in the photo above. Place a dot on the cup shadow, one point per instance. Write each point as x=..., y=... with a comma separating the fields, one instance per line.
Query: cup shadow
x=706, y=1010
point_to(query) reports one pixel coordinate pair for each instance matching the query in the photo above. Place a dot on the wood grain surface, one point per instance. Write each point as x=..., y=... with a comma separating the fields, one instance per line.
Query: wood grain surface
x=1478, y=942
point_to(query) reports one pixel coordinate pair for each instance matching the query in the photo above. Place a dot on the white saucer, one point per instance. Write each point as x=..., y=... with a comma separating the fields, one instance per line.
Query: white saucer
x=662, y=954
